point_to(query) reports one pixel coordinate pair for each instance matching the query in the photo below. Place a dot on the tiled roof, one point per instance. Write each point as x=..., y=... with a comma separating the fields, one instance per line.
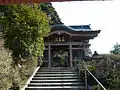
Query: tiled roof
x=73, y=28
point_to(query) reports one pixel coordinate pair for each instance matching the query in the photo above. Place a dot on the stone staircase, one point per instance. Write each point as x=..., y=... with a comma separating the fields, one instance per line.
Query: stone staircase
x=56, y=78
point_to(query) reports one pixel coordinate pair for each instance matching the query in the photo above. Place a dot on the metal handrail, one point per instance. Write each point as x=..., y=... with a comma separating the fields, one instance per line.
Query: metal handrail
x=86, y=69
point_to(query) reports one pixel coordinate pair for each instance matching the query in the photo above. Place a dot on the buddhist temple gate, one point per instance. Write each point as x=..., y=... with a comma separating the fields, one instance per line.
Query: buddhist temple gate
x=68, y=42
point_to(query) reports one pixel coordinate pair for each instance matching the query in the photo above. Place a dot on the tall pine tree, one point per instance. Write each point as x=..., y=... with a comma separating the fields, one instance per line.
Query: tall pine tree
x=51, y=13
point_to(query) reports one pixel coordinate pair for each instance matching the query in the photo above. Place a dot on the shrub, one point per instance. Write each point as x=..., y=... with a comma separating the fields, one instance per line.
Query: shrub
x=12, y=75
x=109, y=65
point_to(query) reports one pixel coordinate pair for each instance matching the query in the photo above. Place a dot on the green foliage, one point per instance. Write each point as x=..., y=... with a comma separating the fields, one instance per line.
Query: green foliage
x=10, y=74
x=24, y=27
x=51, y=13
x=91, y=67
x=6, y=71
x=60, y=58
x=116, y=49
x=28, y=66
x=110, y=71
x=94, y=87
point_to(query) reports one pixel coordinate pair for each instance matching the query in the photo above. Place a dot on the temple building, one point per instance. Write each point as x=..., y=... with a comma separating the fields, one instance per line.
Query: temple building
x=64, y=43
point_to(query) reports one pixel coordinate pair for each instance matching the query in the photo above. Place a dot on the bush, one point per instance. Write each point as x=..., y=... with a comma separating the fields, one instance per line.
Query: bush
x=23, y=29
x=109, y=65
x=12, y=75
x=6, y=70
x=27, y=69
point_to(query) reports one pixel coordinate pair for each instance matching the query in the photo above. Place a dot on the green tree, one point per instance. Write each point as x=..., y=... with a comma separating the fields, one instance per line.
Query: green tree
x=51, y=13
x=116, y=49
x=24, y=27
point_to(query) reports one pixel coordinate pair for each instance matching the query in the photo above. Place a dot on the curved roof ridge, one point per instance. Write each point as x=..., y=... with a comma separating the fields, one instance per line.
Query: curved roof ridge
x=73, y=28
x=61, y=27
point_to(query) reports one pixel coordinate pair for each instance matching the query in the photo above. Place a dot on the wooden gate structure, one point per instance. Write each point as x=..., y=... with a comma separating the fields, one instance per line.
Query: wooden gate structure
x=70, y=40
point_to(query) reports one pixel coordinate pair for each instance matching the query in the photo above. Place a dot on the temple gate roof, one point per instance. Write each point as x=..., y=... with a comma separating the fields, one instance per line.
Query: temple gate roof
x=73, y=28
x=76, y=31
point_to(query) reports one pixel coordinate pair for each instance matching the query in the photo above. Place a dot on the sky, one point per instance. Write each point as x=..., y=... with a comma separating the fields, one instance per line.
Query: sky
x=102, y=15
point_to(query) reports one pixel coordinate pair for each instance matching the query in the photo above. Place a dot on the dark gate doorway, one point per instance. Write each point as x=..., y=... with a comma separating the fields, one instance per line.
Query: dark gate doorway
x=60, y=56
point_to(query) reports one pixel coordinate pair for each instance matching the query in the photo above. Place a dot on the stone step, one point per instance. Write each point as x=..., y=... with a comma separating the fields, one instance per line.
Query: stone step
x=55, y=75
x=56, y=88
x=56, y=72
x=57, y=84
x=58, y=80
x=52, y=78
x=57, y=68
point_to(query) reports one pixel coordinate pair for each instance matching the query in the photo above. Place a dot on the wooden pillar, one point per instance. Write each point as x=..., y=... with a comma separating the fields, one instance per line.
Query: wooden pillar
x=49, y=55
x=70, y=51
